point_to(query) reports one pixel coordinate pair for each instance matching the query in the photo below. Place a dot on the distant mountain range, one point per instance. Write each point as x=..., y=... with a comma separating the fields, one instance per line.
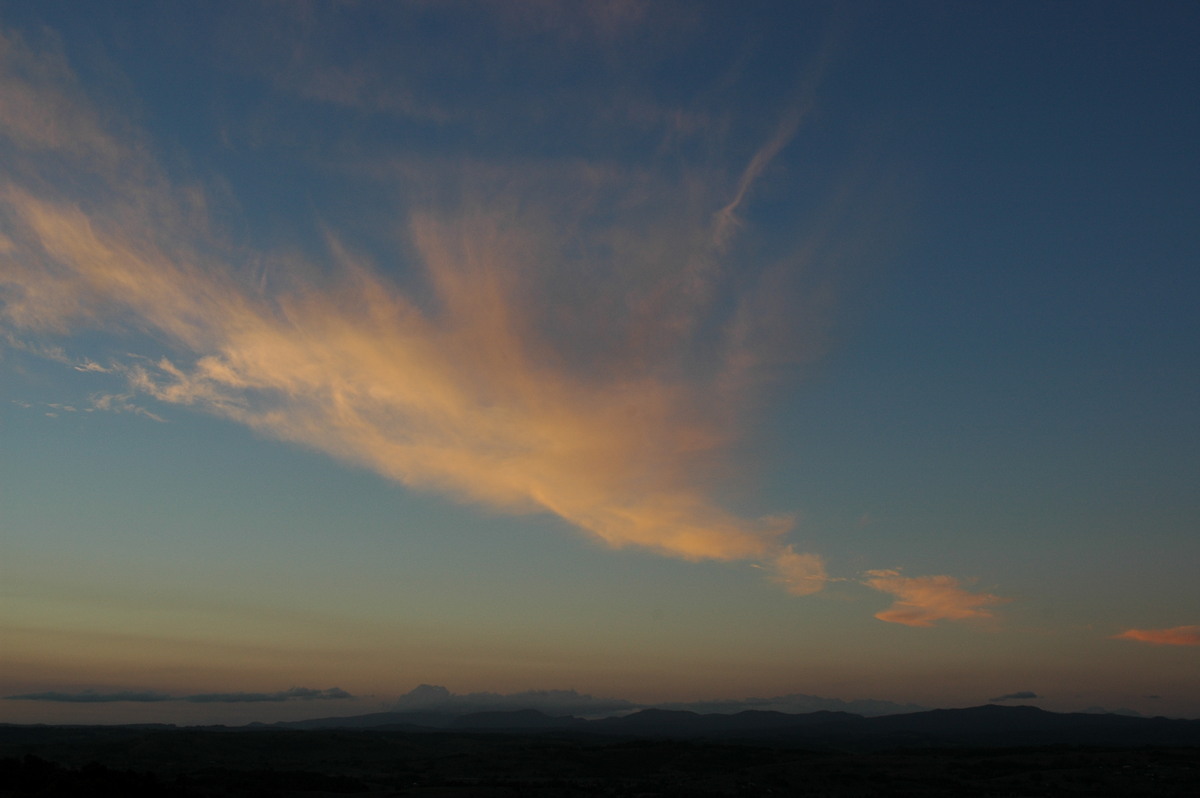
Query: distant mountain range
x=437, y=699
x=984, y=726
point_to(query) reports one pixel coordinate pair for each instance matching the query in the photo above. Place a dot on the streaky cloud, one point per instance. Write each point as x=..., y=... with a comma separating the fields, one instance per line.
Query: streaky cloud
x=726, y=220
x=435, y=698
x=1174, y=636
x=1019, y=695
x=148, y=696
x=794, y=703
x=92, y=697
x=294, y=694
x=467, y=386
x=439, y=699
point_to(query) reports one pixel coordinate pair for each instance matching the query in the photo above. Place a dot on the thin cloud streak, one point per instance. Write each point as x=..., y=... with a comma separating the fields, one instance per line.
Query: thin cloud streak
x=726, y=220
x=922, y=600
x=92, y=697
x=434, y=698
x=150, y=696
x=1175, y=636
x=1017, y=696
x=294, y=694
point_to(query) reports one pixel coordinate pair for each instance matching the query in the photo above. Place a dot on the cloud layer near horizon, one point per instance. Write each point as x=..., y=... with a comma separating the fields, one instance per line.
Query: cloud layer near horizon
x=1175, y=636
x=150, y=696
x=1019, y=695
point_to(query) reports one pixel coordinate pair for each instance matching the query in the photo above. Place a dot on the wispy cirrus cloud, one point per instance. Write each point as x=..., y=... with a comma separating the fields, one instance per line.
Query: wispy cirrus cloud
x=44, y=108
x=922, y=600
x=498, y=380
x=1174, y=636
x=582, y=336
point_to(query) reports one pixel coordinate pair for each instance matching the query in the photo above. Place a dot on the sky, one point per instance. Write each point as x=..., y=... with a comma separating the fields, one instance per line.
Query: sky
x=646, y=352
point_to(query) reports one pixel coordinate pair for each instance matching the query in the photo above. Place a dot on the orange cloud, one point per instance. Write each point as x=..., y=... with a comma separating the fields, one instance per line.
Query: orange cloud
x=1175, y=636
x=799, y=574
x=464, y=400
x=471, y=391
x=921, y=600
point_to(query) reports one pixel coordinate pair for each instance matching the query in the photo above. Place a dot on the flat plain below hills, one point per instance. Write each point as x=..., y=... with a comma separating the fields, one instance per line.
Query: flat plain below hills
x=985, y=751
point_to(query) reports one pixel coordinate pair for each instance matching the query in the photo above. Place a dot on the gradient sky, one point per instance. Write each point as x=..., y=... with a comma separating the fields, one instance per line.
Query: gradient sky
x=659, y=351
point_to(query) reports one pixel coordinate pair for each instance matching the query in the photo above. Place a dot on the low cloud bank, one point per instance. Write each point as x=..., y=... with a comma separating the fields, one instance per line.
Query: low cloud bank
x=797, y=704
x=1020, y=694
x=93, y=697
x=434, y=698
x=1175, y=636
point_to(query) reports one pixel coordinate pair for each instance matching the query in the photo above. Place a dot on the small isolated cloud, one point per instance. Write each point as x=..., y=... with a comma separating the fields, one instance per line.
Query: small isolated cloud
x=921, y=600
x=92, y=697
x=1020, y=694
x=1175, y=636
x=800, y=574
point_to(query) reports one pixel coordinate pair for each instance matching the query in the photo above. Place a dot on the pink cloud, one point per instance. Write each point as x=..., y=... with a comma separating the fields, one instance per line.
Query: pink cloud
x=1175, y=636
x=921, y=600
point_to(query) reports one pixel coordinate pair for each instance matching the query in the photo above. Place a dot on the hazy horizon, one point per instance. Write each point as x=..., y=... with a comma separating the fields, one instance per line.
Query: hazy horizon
x=667, y=352
x=310, y=704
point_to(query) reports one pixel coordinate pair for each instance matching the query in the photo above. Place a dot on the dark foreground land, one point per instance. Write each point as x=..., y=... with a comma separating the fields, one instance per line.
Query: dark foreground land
x=204, y=763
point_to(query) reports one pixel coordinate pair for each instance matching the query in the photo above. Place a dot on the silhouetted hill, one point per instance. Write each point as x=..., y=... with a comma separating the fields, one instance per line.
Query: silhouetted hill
x=827, y=754
x=993, y=725
x=519, y=720
x=752, y=723
x=656, y=722
x=985, y=726
x=795, y=704
x=415, y=721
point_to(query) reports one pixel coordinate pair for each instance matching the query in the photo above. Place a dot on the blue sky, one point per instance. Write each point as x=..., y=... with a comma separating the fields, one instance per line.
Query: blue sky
x=664, y=352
